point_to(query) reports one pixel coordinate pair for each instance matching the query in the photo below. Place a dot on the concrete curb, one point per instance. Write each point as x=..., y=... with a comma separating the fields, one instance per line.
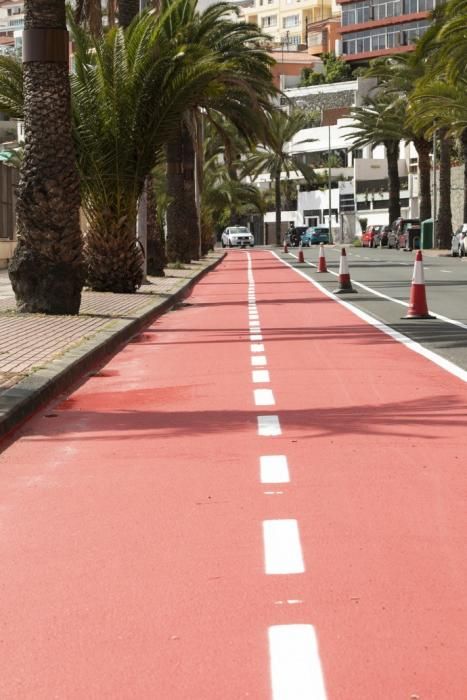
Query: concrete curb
x=19, y=402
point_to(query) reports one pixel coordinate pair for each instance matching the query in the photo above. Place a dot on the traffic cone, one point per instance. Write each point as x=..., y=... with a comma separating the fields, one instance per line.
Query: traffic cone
x=300, y=256
x=345, y=285
x=321, y=260
x=286, y=250
x=418, y=308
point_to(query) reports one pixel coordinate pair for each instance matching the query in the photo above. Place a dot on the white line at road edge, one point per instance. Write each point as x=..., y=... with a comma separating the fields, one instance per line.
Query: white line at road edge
x=274, y=469
x=395, y=335
x=282, y=547
x=296, y=672
x=440, y=317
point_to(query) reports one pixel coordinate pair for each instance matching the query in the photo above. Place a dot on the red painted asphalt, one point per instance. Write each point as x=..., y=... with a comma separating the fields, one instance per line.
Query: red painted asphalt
x=131, y=512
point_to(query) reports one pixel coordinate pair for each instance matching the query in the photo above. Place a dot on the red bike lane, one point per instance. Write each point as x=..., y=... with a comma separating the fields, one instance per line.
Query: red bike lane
x=156, y=545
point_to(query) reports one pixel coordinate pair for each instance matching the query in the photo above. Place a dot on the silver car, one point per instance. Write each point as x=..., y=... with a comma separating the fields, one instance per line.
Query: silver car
x=459, y=242
x=237, y=236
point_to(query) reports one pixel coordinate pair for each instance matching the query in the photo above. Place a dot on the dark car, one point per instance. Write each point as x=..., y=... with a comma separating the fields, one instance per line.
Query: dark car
x=407, y=232
x=293, y=237
x=383, y=238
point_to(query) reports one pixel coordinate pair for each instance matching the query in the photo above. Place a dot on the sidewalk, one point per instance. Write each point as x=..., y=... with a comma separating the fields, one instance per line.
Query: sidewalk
x=41, y=355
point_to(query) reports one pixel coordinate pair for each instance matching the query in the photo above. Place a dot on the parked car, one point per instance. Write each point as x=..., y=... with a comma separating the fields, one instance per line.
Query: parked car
x=237, y=236
x=370, y=236
x=459, y=242
x=383, y=238
x=315, y=234
x=407, y=232
x=293, y=237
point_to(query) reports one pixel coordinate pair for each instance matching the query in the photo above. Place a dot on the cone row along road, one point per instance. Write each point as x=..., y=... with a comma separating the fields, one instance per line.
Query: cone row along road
x=261, y=496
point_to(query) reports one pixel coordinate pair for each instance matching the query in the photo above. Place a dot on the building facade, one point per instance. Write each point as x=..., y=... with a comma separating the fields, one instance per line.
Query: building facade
x=372, y=28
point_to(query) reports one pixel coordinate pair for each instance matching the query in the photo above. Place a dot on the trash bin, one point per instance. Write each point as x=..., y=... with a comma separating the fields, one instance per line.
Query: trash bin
x=427, y=234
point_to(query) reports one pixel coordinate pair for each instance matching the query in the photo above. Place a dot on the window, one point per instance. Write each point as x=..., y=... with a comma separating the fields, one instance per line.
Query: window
x=270, y=21
x=356, y=13
x=291, y=21
x=383, y=37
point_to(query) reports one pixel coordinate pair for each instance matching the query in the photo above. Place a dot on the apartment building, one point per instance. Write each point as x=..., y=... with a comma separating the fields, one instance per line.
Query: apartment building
x=372, y=28
x=286, y=21
x=11, y=26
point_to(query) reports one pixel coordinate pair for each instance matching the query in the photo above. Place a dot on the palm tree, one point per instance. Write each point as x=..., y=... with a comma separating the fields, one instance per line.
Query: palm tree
x=88, y=13
x=275, y=158
x=46, y=270
x=130, y=89
x=379, y=121
x=241, y=90
x=397, y=76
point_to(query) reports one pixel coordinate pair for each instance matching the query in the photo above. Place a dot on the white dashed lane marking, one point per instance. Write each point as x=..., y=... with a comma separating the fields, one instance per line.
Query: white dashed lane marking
x=264, y=397
x=282, y=548
x=274, y=469
x=268, y=426
x=258, y=360
x=256, y=337
x=296, y=672
x=257, y=347
x=260, y=376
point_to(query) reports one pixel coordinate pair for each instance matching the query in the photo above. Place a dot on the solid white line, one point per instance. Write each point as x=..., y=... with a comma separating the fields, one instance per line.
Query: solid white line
x=257, y=347
x=274, y=469
x=260, y=376
x=264, y=397
x=269, y=426
x=282, y=548
x=295, y=664
x=448, y=271
x=256, y=337
x=447, y=365
x=258, y=360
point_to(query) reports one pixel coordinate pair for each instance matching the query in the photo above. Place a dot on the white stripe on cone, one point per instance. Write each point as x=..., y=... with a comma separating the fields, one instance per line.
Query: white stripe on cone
x=418, y=276
x=343, y=264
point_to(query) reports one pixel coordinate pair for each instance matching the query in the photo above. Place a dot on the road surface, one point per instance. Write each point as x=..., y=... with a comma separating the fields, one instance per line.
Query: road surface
x=262, y=496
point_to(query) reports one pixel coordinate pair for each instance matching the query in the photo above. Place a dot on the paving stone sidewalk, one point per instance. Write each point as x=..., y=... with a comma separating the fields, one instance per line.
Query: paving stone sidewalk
x=40, y=354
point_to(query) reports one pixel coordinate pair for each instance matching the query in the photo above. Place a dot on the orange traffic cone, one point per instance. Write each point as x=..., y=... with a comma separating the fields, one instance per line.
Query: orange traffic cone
x=321, y=260
x=300, y=256
x=345, y=285
x=418, y=308
x=286, y=250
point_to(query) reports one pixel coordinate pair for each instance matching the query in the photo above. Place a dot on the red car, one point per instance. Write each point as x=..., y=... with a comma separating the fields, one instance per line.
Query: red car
x=370, y=237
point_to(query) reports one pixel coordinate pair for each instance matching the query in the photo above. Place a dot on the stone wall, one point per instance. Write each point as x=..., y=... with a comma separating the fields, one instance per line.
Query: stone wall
x=457, y=196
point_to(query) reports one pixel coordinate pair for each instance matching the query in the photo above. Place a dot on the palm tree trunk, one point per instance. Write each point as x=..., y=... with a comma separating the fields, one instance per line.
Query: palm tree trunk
x=47, y=269
x=444, y=228
x=178, y=242
x=157, y=258
x=423, y=148
x=277, y=200
x=127, y=11
x=464, y=157
x=392, y=157
x=191, y=209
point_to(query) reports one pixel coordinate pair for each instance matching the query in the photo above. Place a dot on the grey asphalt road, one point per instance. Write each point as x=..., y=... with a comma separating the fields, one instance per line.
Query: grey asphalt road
x=389, y=273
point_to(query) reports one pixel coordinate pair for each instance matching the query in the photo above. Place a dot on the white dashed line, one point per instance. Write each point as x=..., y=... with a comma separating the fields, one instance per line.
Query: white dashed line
x=258, y=360
x=256, y=337
x=282, y=548
x=296, y=672
x=264, y=397
x=257, y=347
x=269, y=426
x=260, y=376
x=274, y=469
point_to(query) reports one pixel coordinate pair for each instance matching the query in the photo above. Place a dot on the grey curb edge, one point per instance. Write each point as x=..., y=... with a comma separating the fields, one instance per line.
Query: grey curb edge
x=23, y=399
